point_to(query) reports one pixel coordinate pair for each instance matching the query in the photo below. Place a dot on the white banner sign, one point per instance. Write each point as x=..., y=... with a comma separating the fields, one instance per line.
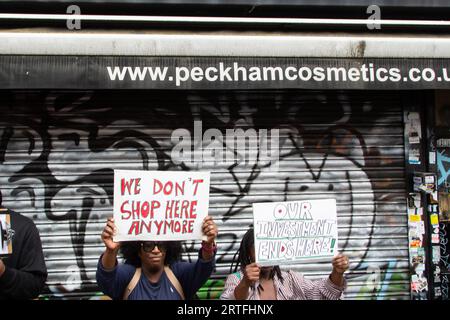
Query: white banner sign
x=289, y=232
x=160, y=205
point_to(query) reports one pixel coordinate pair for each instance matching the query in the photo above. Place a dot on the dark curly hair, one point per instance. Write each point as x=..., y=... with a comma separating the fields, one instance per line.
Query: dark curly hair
x=244, y=259
x=130, y=252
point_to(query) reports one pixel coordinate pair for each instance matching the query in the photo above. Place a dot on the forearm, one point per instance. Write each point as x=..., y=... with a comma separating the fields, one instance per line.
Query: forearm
x=337, y=278
x=208, y=251
x=241, y=290
x=109, y=259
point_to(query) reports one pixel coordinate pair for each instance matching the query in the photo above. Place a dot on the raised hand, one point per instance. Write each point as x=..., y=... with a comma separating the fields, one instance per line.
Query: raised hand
x=107, y=235
x=251, y=273
x=341, y=263
x=209, y=228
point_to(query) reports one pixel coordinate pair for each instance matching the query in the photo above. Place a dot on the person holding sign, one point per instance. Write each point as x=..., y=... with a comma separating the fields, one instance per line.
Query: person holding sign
x=253, y=282
x=153, y=270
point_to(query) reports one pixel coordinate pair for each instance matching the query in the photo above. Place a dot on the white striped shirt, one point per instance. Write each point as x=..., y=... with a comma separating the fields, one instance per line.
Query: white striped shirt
x=293, y=287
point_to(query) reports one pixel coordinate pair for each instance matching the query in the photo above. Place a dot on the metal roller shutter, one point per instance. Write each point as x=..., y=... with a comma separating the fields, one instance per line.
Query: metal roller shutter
x=58, y=150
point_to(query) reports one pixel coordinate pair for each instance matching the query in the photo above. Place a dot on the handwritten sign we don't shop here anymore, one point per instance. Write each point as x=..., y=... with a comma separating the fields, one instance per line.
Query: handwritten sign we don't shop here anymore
x=290, y=232
x=160, y=205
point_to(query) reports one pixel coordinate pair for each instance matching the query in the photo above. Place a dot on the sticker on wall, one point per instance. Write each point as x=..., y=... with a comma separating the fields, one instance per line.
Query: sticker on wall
x=413, y=127
x=414, y=156
x=436, y=254
x=420, y=268
x=434, y=220
x=422, y=227
x=415, y=212
x=424, y=182
x=414, y=232
x=432, y=157
x=435, y=238
x=414, y=218
x=415, y=242
x=414, y=134
x=419, y=284
x=433, y=208
x=437, y=277
x=437, y=291
x=414, y=201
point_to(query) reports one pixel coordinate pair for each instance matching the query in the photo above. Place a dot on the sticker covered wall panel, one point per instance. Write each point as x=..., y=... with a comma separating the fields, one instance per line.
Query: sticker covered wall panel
x=58, y=151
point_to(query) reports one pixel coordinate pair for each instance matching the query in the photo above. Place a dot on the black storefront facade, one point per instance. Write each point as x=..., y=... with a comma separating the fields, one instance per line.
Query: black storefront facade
x=357, y=117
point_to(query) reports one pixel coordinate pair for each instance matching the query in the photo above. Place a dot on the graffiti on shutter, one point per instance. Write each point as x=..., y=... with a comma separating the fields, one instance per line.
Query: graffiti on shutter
x=58, y=151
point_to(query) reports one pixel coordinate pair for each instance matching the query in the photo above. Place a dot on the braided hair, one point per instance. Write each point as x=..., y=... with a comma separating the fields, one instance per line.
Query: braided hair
x=244, y=257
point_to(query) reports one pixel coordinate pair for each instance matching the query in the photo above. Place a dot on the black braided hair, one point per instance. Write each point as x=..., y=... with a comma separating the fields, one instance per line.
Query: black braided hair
x=130, y=251
x=244, y=259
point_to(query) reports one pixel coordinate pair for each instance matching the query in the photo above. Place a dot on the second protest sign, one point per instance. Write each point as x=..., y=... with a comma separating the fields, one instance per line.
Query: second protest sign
x=160, y=205
x=290, y=232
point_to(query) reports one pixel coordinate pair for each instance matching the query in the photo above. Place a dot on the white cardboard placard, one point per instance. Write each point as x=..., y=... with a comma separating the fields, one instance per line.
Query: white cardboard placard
x=160, y=205
x=290, y=232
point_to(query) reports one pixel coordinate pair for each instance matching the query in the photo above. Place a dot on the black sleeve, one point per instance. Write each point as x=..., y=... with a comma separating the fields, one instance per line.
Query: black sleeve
x=28, y=279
